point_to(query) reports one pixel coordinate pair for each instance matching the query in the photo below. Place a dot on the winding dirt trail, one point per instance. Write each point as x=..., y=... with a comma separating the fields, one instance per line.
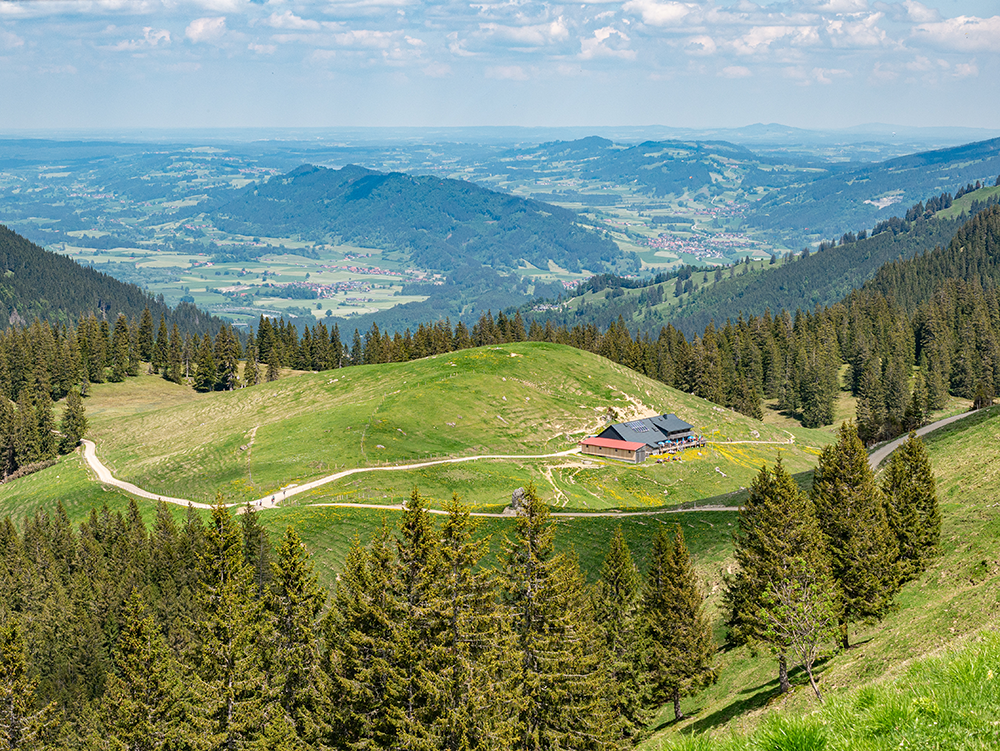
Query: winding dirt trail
x=272, y=500
x=880, y=455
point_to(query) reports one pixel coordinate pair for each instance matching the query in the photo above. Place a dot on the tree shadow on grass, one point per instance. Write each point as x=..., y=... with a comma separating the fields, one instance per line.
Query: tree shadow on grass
x=749, y=699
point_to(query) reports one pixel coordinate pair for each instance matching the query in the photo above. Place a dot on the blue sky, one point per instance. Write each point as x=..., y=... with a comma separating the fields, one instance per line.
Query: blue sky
x=324, y=63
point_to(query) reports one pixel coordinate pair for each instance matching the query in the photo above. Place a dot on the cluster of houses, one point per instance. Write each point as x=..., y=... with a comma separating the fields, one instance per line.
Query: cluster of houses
x=636, y=440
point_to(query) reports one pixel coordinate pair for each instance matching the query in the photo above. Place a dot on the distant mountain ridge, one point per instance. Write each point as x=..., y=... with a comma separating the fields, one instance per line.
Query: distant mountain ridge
x=444, y=224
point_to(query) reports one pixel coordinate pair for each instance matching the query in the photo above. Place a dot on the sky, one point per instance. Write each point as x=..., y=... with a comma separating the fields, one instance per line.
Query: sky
x=120, y=64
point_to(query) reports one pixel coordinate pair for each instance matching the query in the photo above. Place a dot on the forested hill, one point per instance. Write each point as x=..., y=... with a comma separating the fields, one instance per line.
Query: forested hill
x=863, y=196
x=36, y=283
x=443, y=224
x=821, y=278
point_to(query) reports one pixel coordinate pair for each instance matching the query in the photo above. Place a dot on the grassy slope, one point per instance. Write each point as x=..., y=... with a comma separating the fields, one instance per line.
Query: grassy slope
x=529, y=398
x=957, y=598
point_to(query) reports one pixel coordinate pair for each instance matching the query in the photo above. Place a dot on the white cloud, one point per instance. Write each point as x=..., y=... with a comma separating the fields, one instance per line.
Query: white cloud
x=262, y=49
x=535, y=35
x=289, y=20
x=658, y=13
x=963, y=33
x=966, y=70
x=150, y=38
x=606, y=42
x=206, y=29
x=700, y=45
x=10, y=41
x=863, y=32
x=437, y=70
x=735, y=71
x=506, y=73
x=842, y=6
x=760, y=38
x=920, y=13
x=815, y=75
x=367, y=38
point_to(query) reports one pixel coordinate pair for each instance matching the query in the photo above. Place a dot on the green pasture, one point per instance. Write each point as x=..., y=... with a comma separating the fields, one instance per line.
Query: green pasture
x=518, y=399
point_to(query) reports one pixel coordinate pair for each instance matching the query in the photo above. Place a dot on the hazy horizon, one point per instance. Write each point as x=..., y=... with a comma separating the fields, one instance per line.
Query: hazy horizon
x=209, y=64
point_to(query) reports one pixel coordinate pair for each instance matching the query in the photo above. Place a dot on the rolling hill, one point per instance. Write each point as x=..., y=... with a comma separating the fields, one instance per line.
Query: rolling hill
x=442, y=224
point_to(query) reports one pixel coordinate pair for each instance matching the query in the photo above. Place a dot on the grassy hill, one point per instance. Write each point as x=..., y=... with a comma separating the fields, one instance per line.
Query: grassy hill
x=955, y=602
x=520, y=399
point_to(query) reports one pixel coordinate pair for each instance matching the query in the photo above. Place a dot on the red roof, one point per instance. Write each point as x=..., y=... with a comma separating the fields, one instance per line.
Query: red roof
x=610, y=443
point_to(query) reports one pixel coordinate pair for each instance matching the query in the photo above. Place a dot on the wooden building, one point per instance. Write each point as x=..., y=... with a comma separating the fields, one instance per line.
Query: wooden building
x=609, y=448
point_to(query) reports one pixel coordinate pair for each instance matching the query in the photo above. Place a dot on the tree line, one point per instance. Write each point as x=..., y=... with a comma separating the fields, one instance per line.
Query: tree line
x=197, y=635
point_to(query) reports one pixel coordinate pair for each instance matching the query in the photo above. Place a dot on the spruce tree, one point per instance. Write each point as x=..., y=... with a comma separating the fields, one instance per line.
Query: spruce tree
x=144, y=338
x=617, y=601
x=294, y=606
x=73, y=424
x=273, y=365
x=205, y=371
x=158, y=359
x=22, y=724
x=863, y=550
x=231, y=689
x=173, y=364
x=145, y=705
x=563, y=680
x=120, y=350
x=910, y=494
x=471, y=659
x=777, y=530
x=251, y=373
x=681, y=647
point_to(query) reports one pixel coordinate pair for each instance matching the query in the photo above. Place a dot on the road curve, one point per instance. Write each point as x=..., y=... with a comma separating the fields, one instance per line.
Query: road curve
x=878, y=456
x=270, y=501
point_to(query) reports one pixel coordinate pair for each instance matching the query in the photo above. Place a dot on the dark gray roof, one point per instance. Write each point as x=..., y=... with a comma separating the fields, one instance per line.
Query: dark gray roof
x=650, y=430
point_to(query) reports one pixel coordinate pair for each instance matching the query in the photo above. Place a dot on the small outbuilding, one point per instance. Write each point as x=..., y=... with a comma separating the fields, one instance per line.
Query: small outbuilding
x=609, y=448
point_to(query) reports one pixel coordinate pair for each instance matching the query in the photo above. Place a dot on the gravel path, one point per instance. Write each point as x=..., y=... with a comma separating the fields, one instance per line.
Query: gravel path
x=271, y=501
x=878, y=456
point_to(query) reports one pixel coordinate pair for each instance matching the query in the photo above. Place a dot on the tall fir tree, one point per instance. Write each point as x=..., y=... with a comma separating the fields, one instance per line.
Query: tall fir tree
x=851, y=513
x=681, y=646
x=23, y=725
x=777, y=532
x=73, y=425
x=910, y=494
x=206, y=373
x=617, y=607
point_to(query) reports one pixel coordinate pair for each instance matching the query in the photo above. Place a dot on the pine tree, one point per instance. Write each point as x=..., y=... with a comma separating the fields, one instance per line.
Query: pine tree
x=231, y=688
x=205, y=371
x=120, y=350
x=778, y=529
x=173, y=364
x=144, y=338
x=73, y=424
x=910, y=494
x=679, y=636
x=471, y=658
x=22, y=725
x=273, y=365
x=563, y=682
x=256, y=548
x=617, y=609
x=851, y=514
x=294, y=606
x=251, y=373
x=144, y=704
x=161, y=347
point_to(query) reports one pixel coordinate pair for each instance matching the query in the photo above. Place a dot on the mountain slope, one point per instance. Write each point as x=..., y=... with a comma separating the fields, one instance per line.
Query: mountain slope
x=35, y=283
x=863, y=196
x=443, y=224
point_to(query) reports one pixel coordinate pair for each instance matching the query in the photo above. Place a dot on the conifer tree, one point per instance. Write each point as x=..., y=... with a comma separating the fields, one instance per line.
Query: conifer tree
x=273, y=365
x=73, y=425
x=48, y=444
x=231, y=689
x=144, y=337
x=777, y=532
x=910, y=494
x=617, y=601
x=361, y=633
x=256, y=548
x=562, y=682
x=173, y=364
x=851, y=513
x=144, y=704
x=205, y=371
x=22, y=724
x=681, y=647
x=251, y=373
x=294, y=606
x=471, y=659
x=161, y=347
x=120, y=350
